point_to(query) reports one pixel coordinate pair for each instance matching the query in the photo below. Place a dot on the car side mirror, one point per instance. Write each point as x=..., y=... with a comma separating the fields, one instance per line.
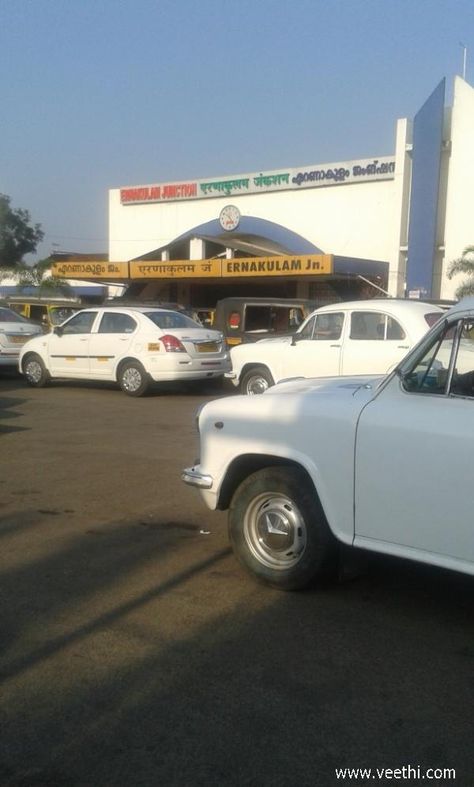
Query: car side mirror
x=295, y=339
x=58, y=330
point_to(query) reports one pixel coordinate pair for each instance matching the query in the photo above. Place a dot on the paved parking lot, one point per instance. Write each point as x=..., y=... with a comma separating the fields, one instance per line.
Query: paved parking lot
x=134, y=651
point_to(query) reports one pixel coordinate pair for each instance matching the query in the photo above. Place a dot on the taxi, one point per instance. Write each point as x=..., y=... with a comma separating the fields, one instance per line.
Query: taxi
x=133, y=346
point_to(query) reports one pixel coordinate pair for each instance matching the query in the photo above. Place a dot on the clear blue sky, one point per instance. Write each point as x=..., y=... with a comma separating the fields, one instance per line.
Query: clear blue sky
x=98, y=94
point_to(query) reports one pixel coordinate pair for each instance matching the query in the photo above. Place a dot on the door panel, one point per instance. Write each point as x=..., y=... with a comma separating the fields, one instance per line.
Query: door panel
x=111, y=342
x=374, y=344
x=413, y=484
x=68, y=348
x=69, y=355
x=320, y=354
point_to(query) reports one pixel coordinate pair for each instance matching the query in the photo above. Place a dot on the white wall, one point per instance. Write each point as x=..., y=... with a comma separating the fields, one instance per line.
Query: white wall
x=459, y=228
x=357, y=220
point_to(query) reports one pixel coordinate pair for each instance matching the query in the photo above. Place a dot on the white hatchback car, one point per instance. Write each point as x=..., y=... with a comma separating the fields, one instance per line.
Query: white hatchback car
x=356, y=337
x=132, y=346
x=14, y=332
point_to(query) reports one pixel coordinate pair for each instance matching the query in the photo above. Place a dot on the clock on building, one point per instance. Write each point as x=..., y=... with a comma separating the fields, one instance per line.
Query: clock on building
x=229, y=218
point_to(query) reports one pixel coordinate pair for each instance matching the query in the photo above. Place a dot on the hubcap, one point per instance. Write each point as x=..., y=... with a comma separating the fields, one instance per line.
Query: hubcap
x=33, y=371
x=275, y=531
x=131, y=379
x=257, y=385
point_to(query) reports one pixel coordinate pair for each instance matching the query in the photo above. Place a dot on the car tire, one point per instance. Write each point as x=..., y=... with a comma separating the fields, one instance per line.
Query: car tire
x=35, y=371
x=299, y=548
x=133, y=379
x=256, y=381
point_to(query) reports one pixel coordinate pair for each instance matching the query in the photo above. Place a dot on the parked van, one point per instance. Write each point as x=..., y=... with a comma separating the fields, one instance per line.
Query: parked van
x=250, y=319
x=47, y=312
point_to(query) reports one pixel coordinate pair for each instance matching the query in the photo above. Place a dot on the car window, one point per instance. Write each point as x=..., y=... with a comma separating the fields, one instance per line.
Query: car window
x=393, y=329
x=167, y=320
x=462, y=382
x=80, y=323
x=58, y=314
x=446, y=365
x=432, y=317
x=115, y=322
x=328, y=326
x=306, y=331
x=375, y=326
x=8, y=315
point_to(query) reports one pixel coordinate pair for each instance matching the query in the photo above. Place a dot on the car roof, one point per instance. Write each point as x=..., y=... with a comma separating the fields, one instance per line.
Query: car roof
x=464, y=305
x=16, y=299
x=140, y=309
x=264, y=301
x=396, y=305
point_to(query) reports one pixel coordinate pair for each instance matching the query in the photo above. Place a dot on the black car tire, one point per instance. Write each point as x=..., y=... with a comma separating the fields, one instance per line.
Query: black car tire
x=278, y=529
x=256, y=381
x=35, y=371
x=133, y=379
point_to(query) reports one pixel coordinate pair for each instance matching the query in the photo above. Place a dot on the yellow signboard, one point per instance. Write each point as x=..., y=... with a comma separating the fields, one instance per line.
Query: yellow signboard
x=90, y=270
x=175, y=269
x=303, y=265
x=279, y=265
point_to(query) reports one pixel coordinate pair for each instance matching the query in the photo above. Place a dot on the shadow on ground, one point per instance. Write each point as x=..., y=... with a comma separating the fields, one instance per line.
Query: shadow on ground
x=124, y=670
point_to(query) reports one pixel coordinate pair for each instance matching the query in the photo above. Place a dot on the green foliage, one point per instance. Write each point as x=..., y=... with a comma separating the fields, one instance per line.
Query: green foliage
x=38, y=276
x=463, y=264
x=17, y=235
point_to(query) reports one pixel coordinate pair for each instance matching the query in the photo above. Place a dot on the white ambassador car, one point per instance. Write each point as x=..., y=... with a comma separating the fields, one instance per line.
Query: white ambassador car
x=14, y=332
x=356, y=337
x=132, y=346
x=383, y=464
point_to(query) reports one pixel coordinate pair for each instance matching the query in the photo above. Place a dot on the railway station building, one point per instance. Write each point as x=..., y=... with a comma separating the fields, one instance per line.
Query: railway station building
x=328, y=232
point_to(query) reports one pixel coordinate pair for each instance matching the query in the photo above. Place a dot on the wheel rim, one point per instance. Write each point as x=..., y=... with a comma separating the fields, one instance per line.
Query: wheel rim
x=131, y=379
x=275, y=531
x=257, y=384
x=33, y=371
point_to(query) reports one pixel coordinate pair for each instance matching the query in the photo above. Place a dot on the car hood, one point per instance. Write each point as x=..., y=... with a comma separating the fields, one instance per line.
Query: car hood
x=287, y=339
x=333, y=385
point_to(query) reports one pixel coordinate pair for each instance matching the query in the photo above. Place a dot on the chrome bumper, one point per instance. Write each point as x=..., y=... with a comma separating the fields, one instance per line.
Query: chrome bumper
x=193, y=477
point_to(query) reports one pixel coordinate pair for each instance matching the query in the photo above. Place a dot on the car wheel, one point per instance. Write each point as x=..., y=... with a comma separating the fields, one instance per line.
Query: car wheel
x=278, y=530
x=256, y=381
x=133, y=379
x=35, y=371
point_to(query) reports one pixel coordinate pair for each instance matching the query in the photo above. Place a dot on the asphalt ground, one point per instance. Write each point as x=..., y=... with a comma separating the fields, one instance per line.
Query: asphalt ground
x=136, y=652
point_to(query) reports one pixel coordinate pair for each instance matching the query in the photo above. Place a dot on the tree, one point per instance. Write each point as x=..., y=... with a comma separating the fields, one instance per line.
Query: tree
x=37, y=276
x=17, y=235
x=463, y=264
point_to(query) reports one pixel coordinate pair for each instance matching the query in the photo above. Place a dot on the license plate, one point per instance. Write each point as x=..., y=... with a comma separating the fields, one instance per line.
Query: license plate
x=206, y=347
x=17, y=339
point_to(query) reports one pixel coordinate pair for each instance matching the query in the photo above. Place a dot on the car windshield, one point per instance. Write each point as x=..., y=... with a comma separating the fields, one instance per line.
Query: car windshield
x=59, y=314
x=167, y=320
x=8, y=315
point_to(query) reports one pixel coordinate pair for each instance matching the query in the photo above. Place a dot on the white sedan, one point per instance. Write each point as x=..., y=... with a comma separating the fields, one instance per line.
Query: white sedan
x=132, y=346
x=356, y=337
x=378, y=463
x=14, y=332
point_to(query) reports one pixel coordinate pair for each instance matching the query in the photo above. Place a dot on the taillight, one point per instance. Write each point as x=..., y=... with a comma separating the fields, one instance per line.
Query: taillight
x=234, y=320
x=172, y=344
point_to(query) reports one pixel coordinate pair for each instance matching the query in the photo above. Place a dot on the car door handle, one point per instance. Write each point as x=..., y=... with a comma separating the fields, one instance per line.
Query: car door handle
x=334, y=345
x=403, y=347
